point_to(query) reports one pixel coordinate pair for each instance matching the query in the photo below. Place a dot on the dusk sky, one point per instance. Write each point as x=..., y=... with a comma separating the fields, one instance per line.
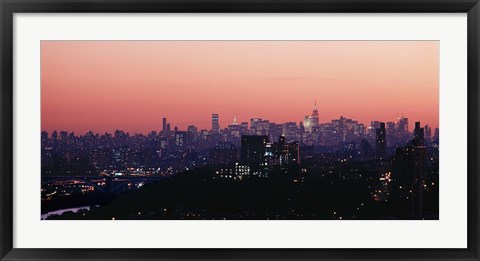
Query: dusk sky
x=131, y=85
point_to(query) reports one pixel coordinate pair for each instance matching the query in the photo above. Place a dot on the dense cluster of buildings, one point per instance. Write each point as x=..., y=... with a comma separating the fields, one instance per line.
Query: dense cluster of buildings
x=252, y=146
x=406, y=159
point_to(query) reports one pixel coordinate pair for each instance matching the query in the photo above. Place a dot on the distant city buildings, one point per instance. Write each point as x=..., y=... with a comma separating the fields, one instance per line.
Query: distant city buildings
x=215, y=124
x=388, y=157
x=246, y=147
x=381, y=140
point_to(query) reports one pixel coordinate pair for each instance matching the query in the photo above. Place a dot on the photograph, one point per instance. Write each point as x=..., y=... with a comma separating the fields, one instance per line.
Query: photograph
x=239, y=130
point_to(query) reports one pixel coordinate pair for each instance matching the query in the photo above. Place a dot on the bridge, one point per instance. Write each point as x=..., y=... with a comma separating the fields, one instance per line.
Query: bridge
x=112, y=184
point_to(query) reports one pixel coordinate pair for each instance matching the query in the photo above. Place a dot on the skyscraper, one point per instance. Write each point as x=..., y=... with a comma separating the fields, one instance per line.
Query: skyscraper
x=286, y=153
x=381, y=140
x=224, y=153
x=215, y=125
x=180, y=138
x=403, y=125
x=428, y=133
x=253, y=148
x=311, y=121
x=409, y=170
x=253, y=122
x=244, y=128
x=290, y=131
x=262, y=127
x=436, y=136
x=419, y=135
x=391, y=134
x=191, y=134
x=164, y=125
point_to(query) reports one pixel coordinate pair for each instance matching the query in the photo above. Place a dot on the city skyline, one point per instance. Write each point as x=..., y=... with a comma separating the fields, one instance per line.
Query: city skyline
x=103, y=86
x=234, y=121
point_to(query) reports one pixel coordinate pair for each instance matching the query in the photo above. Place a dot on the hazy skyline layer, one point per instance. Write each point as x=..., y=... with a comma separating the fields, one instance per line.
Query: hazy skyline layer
x=131, y=85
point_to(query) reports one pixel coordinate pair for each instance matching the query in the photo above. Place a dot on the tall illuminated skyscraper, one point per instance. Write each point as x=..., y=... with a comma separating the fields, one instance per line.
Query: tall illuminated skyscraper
x=311, y=120
x=215, y=125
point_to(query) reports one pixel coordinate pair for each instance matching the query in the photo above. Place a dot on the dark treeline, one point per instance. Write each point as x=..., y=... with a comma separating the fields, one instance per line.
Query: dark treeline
x=200, y=194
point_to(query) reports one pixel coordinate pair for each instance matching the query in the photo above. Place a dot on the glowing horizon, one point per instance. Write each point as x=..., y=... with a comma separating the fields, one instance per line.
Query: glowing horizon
x=102, y=86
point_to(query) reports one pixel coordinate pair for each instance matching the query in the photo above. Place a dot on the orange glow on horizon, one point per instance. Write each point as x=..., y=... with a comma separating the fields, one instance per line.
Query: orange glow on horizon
x=131, y=85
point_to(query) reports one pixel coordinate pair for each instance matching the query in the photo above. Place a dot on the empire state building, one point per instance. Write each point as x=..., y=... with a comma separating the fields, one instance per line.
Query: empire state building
x=311, y=121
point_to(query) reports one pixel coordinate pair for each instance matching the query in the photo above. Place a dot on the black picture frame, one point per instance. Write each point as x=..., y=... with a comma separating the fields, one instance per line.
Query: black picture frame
x=10, y=7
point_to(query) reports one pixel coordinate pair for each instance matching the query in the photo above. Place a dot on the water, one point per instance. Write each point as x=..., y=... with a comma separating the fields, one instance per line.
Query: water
x=61, y=211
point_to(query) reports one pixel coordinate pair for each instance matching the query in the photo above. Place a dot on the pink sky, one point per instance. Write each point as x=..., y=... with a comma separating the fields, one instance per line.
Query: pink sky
x=131, y=85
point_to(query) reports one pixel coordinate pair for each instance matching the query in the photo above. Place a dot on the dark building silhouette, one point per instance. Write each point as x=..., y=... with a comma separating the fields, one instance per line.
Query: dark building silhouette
x=419, y=135
x=365, y=148
x=381, y=140
x=436, y=136
x=428, y=134
x=349, y=148
x=286, y=153
x=224, y=153
x=253, y=149
x=409, y=170
x=392, y=134
x=307, y=153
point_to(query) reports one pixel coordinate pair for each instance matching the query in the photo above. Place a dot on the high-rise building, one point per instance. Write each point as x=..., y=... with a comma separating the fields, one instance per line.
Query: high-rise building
x=391, y=134
x=436, y=136
x=381, y=140
x=262, y=127
x=234, y=133
x=224, y=153
x=428, y=133
x=180, y=138
x=164, y=124
x=372, y=130
x=409, y=171
x=215, y=124
x=419, y=135
x=244, y=128
x=286, y=153
x=311, y=120
x=290, y=131
x=307, y=154
x=253, y=122
x=54, y=135
x=191, y=134
x=403, y=124
x=252, y=150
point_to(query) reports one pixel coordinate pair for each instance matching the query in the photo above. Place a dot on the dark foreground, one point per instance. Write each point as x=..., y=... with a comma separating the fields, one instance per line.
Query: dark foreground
x=201, y=194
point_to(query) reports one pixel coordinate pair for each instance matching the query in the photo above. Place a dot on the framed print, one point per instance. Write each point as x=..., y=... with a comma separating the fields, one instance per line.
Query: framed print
x=239, y=130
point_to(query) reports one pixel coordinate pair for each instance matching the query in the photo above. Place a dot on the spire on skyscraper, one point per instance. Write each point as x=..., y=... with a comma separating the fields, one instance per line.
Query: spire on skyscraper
x=315, y=109
x=234, y=119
